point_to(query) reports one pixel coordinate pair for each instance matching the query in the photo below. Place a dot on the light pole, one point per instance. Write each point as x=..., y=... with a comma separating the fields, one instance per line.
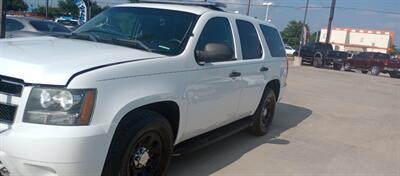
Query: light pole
x=268, y=4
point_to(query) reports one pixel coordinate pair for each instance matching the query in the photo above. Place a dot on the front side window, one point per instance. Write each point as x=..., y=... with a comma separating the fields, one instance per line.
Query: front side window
x=274, y=41
x=153, y=30
x=13, y=25
x=218, y=31
x=251, y=46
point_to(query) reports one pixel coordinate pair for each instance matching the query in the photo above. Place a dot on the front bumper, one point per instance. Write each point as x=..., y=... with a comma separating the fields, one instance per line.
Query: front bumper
x=391, y=69
x=30, y=149
x=44, y=150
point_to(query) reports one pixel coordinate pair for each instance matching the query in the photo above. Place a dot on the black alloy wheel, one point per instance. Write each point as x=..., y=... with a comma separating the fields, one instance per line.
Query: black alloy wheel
x=264, y=114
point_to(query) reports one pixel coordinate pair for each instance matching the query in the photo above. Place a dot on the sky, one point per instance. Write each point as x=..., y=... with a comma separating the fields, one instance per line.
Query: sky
x=365, y=14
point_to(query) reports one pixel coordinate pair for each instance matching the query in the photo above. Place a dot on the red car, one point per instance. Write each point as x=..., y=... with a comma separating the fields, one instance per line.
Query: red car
x=375, y=63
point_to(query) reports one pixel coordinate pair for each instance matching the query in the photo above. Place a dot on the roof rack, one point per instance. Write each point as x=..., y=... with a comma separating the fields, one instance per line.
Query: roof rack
x=211, y=5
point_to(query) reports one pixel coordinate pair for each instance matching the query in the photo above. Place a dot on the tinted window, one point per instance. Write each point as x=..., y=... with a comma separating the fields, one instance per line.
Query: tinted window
x=324, y=46
x=274, y=41
x=46, y=26
x=382, y=56
x=251, y=47
x=217, y=30
x=13, y=25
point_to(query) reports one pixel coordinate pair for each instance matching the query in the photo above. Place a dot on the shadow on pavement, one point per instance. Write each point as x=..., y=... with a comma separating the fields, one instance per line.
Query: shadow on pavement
x=216, y=156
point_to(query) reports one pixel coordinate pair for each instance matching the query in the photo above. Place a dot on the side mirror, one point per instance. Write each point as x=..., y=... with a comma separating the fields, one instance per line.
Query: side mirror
x=214, y=52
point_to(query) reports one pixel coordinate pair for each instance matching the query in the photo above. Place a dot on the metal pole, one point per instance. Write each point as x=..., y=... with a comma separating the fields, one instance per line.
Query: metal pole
x=329, y=30
x=89, y=15
x=47, y=9
x=304, y=24
x=248, y=8
x=3, y=18
x=267, y=13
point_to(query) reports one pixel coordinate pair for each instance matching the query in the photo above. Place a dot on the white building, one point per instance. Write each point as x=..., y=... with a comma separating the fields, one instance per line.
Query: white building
x=359, y=40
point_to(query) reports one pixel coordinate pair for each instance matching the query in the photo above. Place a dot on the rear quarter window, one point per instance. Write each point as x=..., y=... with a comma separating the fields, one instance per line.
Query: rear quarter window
x=45, y=26
x=274, y=41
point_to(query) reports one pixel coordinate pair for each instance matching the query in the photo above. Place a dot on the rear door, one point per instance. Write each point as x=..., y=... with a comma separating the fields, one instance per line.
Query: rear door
x=253, y=66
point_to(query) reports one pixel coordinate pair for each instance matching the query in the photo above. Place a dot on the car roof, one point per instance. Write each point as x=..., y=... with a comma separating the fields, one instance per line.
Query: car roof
x=194, y=9
x=198, y=10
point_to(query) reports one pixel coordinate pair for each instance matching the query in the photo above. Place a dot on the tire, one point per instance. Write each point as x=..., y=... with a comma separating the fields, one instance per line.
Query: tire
x=142, y=145
x=338, y=66
x=364, y=72
x=346, y=66
x=375, y=70
x=317, y=62
x=394, y=74
x=264, y=114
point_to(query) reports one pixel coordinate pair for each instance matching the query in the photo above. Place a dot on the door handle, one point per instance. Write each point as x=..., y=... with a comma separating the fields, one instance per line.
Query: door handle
x=235, y=74
x=264, y=69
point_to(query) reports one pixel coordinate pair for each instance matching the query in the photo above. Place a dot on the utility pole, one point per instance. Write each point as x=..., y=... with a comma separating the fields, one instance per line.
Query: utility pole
x=329, y=30
x=248, y=8
x=3, y=19
x=47, y=9
x=304, y=25
x=89, y=15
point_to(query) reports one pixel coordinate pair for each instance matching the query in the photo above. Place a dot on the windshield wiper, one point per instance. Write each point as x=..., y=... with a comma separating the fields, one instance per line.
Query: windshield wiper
x=131, y=43
x=81, y=36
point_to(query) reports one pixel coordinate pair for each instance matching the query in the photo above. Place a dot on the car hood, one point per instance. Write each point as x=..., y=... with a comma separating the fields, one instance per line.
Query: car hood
x=50, y=60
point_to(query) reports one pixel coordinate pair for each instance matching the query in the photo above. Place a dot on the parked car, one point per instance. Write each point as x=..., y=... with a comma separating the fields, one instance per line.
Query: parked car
x=375, y=63
x=28, y=26
x=67, y=22
x=289, y=50
x=134, y=85
x=316, y=53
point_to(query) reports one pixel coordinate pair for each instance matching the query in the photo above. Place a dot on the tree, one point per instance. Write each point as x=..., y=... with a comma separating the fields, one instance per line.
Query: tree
x=16, y=5
x=96, y=9
x=52, y=13
x=68, y=7
x=292, y=32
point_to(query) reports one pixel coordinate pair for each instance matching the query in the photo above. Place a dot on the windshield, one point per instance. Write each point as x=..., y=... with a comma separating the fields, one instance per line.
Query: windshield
x=154, y=30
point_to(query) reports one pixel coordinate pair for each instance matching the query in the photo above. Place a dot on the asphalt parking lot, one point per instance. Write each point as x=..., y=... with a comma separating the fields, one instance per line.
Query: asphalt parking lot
x=329, y=123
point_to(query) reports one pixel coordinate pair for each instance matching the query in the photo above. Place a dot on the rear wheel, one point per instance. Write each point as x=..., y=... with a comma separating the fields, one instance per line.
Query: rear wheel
x=375, y=70
x=337, y=66
x=142, y=145
x=264, y=114
x=394, y=74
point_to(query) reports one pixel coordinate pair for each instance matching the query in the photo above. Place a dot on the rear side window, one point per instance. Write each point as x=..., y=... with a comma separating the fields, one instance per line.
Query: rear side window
x=251, y=46
x=274, y=41
x=217, y=30
x=13, y=25
x=45, y=26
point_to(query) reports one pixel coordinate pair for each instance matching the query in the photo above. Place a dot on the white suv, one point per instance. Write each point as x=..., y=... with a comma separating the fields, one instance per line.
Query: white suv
x=134, y=85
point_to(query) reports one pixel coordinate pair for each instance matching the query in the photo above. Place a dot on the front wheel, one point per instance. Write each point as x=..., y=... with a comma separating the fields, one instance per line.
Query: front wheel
x=264, y=114
x=142, y=145
x=317, y=62
x=375, y=70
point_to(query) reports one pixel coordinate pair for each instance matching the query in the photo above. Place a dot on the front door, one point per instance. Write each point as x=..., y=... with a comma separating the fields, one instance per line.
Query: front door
x=213, y=90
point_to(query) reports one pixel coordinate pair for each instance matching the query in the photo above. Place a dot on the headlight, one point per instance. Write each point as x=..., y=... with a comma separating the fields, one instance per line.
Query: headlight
x=54, y=106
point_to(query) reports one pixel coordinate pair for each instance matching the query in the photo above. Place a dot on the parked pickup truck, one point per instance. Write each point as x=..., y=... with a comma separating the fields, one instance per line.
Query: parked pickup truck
x=321, y=54
x=134, y=85
x=375, y=63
